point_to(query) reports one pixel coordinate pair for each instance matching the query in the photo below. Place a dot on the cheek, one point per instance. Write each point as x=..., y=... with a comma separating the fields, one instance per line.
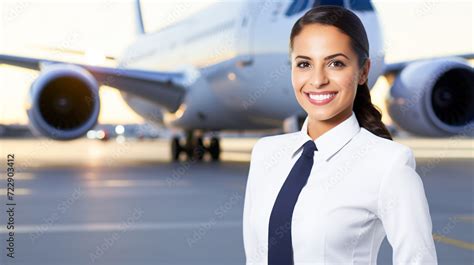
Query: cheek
x=298, y=80
x=346, y=82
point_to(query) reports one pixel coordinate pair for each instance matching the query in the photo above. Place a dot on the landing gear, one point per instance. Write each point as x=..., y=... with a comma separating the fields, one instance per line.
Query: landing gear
x=175, y=149
x=214, y=148
x=194, y=147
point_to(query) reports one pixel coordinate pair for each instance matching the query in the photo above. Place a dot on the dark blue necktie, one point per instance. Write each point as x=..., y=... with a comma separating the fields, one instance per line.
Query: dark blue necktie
x=280, y=249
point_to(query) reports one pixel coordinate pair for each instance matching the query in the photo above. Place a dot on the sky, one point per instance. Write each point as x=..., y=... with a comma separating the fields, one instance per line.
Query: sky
x=412, y=29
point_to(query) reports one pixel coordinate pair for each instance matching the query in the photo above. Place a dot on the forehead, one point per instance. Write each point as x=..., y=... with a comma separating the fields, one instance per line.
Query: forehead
x=318, y=40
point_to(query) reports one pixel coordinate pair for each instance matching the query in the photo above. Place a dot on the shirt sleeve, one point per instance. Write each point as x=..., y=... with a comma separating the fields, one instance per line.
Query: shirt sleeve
x=248, y=233
x=404, y=212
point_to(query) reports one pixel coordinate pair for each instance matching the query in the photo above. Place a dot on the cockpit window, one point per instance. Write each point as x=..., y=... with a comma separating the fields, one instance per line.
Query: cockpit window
x=329, y=2
x=362, y=5
x=296, y=7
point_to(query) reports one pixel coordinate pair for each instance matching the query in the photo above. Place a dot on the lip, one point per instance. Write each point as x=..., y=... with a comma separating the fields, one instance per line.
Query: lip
x=320, y=102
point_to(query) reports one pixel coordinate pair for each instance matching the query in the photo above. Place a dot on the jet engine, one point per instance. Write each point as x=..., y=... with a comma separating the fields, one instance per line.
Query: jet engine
x=434, y=98
x=63, y=102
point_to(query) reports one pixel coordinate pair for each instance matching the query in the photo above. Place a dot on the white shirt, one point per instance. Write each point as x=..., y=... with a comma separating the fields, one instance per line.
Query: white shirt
x=361, y=188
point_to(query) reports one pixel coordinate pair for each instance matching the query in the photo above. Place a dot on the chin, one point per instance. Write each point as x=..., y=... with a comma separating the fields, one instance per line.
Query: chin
x=321, y=114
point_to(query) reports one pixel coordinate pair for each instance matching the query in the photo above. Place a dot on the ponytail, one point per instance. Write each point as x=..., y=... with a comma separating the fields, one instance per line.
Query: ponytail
x=368, y=115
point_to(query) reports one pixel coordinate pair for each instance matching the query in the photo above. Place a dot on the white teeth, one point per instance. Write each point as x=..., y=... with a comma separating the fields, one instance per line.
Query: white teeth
x=321, y=97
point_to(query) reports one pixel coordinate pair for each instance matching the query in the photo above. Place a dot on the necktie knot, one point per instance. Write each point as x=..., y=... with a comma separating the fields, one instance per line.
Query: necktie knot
x=308, y=148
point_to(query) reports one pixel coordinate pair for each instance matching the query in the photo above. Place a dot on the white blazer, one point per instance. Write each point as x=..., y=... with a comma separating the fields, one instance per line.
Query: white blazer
x=361, y=188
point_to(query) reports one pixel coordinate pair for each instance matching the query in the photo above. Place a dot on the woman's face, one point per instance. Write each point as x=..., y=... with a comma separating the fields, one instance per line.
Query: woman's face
x=325, y=72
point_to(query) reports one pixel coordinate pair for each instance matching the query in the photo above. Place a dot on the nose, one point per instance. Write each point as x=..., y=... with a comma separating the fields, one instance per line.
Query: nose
x=318, y=78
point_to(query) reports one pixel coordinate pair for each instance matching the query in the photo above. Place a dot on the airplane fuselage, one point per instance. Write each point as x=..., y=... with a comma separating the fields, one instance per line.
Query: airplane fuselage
x=239, y=53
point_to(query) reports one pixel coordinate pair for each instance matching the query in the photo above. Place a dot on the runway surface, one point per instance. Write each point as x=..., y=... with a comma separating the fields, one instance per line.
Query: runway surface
x=91, y=202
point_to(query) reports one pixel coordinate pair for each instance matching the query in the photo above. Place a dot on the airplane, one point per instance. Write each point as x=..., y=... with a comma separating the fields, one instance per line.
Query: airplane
x=227, y=67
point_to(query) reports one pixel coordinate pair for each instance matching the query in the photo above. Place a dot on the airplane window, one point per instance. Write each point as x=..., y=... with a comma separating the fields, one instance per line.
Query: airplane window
x=362, y=5
x=329, y=2
x=296, y=7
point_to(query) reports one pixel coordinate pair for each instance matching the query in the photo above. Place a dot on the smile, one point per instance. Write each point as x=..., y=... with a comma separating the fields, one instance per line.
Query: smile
x=320, y=98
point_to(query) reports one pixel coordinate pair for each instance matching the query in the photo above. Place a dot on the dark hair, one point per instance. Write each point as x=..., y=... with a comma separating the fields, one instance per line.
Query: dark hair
x=346, y=21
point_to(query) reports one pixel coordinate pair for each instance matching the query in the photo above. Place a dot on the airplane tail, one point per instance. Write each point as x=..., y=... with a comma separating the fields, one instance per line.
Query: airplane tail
x=140, y=28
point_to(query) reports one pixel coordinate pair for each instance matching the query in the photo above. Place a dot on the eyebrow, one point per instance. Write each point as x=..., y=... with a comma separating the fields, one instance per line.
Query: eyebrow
x=325, y=58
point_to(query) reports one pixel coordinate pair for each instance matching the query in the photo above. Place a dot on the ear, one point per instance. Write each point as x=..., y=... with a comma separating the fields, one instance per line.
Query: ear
x=364, y=73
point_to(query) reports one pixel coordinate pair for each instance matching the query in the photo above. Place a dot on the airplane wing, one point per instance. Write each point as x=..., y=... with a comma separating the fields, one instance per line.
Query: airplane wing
x=70, y=51
x=165, y=88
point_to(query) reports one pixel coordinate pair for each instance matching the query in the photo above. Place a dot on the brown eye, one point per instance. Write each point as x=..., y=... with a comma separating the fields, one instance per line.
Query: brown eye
x=337, y=64
x=302, y=64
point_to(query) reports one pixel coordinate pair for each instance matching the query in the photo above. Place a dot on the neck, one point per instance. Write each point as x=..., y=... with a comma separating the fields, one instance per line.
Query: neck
x=316, y=127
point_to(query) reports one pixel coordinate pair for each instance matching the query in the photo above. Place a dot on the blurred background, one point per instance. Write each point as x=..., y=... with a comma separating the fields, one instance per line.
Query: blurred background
x=121, y=201
x=106, y=27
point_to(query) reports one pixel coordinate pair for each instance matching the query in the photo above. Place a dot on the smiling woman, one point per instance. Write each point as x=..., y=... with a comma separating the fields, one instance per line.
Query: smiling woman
x=329, y=193
x=330, y=67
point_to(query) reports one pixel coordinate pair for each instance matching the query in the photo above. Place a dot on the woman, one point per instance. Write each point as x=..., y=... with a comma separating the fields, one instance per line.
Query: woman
x=331, y=192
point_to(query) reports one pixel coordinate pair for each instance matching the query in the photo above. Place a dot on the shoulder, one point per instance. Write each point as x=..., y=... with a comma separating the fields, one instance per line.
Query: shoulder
x=264, y=150
x=387, y=152
x=269, y=144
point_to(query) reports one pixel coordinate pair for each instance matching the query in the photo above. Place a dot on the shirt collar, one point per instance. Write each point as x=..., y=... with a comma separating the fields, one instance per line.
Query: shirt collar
x=331, y=141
